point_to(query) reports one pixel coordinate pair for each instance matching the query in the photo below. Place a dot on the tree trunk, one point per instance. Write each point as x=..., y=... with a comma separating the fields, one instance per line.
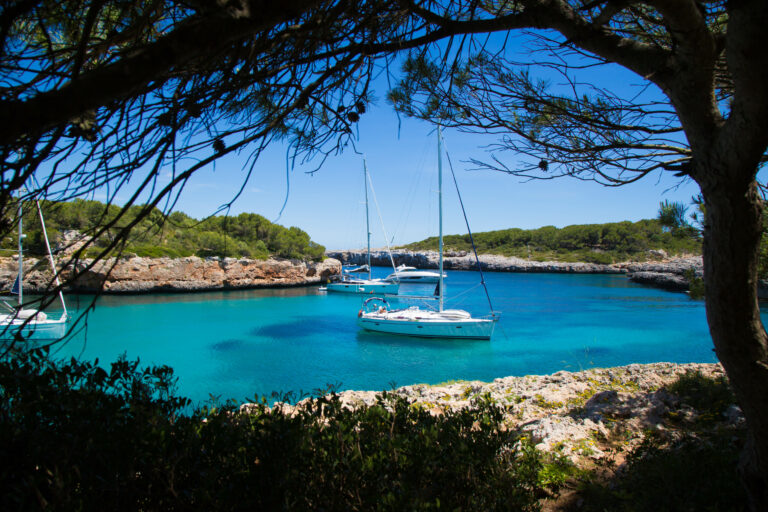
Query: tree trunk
x=731, y=242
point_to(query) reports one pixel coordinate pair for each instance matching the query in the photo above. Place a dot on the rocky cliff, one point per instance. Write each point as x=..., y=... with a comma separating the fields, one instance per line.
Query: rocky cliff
x=142, y=275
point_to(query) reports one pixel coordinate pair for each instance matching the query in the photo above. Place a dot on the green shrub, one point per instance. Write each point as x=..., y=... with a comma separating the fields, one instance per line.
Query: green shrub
x=695, y=284
x=710, y=397
x=177, y=235
x=77, y=437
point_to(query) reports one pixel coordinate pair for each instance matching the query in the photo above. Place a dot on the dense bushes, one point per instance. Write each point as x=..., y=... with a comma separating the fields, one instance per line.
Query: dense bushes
x=597, y=243
x=246, y=235
x=75, y=436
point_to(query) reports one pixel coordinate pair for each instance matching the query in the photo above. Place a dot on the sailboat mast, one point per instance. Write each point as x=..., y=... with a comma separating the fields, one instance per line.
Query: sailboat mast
x=21, y=259
x=50, y=257
x=440, y=203
x=367, y=220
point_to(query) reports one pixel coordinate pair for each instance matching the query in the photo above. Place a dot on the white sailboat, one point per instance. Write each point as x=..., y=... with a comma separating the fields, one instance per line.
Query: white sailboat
x=406, y=274
x=349, y=284
x=31, y=324
x=377, y=315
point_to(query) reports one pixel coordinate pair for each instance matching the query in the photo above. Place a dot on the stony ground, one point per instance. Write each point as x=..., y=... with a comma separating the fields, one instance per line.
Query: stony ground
x=579, y=415
x=594, y=418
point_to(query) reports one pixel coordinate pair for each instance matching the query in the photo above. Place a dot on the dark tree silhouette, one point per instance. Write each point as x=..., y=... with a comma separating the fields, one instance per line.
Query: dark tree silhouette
x=704, y=117
x=104, y=94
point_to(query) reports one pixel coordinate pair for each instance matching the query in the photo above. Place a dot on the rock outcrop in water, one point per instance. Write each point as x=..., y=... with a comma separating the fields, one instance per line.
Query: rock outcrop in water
x=143, y=275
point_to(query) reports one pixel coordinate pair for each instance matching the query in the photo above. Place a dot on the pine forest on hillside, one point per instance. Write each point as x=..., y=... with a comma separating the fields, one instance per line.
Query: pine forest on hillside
x=592, y=243
x=243, y=236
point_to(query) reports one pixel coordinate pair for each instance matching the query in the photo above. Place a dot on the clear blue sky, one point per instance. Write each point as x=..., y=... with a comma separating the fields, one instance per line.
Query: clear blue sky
x=329, y=205
x=403, y=165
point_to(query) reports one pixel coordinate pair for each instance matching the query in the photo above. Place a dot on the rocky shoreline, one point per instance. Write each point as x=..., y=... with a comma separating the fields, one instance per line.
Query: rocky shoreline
x=133, y=274
x=668, y=273
x=575, y=414
x=129, y=275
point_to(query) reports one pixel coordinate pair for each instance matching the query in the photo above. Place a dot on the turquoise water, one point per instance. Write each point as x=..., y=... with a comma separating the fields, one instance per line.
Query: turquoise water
x=241, y=343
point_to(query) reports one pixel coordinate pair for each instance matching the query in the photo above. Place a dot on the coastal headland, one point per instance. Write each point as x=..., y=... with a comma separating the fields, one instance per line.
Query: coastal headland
x=152, y=275
x=134, y=274
x=663, y=272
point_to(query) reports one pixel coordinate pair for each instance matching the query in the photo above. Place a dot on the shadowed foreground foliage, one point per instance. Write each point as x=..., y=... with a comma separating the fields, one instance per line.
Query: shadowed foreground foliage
x=77, y=437
x=690, y=465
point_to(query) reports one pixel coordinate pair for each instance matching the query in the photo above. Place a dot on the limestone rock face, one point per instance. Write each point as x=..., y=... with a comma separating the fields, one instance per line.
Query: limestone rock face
x=664, y=280
x=668, y=274
x=466, y=261
x=141, y=275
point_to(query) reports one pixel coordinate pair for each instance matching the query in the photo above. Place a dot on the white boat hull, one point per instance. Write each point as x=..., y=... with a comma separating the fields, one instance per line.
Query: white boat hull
x=44, y=330
x=418, y=279
x=405, y=274
x=363, y=287
x=430, y=326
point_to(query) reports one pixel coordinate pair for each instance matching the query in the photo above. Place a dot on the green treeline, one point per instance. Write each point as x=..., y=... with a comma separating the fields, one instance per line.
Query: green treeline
x=594, y=243
x=176, y=235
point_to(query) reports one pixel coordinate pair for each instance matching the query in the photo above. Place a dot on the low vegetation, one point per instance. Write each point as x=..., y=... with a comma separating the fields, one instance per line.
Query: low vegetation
x=81, y=438
x=690, y=464
x=594, y=243
x=177, y=235
x=77, y=437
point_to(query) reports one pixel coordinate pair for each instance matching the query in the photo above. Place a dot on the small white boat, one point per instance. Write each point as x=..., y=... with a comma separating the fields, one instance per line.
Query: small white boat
x=354, y=270
x=348, y=284
x=377, y=315
x=405, y=274
x=30, y=324
x=370, y=286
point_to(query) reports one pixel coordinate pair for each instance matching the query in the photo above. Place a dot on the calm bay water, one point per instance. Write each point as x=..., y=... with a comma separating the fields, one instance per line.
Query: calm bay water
x=238, y=344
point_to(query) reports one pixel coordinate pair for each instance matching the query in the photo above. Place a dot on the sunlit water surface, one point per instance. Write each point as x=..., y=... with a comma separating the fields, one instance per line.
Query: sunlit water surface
x=241, y=343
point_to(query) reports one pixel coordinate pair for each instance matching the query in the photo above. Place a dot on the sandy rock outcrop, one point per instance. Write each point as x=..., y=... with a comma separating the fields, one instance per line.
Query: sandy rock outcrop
x=142, y=275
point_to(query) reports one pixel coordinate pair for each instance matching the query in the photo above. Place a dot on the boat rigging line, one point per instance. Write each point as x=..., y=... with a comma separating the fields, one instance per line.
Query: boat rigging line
x=378, y=211
x=469, y=230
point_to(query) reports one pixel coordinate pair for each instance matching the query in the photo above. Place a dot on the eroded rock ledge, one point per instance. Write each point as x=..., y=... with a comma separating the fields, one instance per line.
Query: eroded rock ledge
x=144, y=275
x=572, y=413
